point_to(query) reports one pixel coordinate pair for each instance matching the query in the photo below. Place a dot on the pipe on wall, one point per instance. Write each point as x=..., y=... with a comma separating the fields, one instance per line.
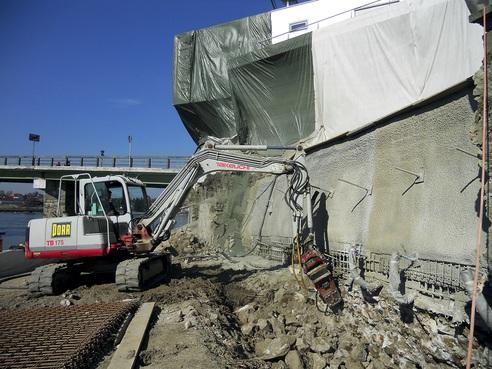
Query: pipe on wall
x=395, y=281
x=355, y=273
x=482, y=307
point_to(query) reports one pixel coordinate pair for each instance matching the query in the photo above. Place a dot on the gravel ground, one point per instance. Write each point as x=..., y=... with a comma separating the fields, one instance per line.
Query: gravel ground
x=249, y=313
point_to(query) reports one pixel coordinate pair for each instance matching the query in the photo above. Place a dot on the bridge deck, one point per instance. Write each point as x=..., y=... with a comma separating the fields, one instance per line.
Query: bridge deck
x=152, y=170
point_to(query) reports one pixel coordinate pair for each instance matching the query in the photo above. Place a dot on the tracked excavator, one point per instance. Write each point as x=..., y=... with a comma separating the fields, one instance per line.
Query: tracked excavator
x=110, y=227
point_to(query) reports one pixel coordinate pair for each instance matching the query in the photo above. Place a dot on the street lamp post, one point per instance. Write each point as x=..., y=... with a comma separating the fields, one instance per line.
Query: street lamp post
x=130, y=139
x=34, y=138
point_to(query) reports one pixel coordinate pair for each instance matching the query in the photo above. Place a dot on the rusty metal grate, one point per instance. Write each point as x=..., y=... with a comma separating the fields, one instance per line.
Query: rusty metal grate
x=58, y=337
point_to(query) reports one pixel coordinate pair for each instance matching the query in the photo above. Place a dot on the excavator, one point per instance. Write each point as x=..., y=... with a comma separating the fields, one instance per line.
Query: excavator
x=108, y=225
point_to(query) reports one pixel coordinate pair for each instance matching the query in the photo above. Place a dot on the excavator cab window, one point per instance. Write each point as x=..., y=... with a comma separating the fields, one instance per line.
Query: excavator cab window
x=138, y=200
x=112, y=197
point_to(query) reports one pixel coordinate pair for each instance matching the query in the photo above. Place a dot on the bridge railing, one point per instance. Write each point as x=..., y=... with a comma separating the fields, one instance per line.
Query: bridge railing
x=155, y=162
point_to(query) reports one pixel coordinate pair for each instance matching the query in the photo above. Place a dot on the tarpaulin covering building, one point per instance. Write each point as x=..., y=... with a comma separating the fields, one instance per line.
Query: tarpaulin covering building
x=231, y=79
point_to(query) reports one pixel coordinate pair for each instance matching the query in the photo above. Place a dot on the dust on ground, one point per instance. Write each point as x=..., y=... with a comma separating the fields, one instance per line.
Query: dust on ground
x=223, y=312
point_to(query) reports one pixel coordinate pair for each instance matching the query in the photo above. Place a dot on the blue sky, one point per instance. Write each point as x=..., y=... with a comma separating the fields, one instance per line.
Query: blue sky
x=86, y=74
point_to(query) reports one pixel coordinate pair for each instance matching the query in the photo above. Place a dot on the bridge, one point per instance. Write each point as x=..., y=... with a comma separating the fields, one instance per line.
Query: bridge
x=154, y=171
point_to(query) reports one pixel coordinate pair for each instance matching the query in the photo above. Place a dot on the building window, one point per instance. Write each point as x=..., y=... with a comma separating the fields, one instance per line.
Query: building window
x=298, y=26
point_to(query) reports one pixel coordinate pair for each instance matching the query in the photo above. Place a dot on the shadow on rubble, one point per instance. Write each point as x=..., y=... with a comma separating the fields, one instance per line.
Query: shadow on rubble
x=482, y=334
x=92, y=279
x=217, y=274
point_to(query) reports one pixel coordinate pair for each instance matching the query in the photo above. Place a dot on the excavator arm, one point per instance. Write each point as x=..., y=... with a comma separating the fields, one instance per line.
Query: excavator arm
x=215, y=156
x=155, y=225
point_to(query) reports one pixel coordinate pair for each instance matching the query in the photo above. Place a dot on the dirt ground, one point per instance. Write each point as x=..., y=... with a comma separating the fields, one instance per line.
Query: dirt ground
x=221, y=312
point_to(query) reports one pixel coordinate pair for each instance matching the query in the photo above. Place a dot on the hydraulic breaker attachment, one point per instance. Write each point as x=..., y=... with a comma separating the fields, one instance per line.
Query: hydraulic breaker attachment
x=316, y=268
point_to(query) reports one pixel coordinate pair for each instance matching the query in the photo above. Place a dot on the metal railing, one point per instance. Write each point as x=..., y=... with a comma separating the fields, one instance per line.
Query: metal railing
x=154, y=162
x=353, y=13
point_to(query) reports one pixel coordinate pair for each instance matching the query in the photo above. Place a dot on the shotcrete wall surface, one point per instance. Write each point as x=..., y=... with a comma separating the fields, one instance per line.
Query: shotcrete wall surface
x=359, y=195
x=435, y=218
x=220, y=208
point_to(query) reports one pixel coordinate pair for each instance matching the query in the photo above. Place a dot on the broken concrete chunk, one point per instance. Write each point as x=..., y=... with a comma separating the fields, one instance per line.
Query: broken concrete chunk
x=301, y=344
x=316, y=361
x=277, y=325
x=279, y=296
x=189, y=310
x=190, y=321
x=65, y=302
x=244, y=313
x=279, y=365
x=309, y=332
x=247, y=328
x=293, y=320
x=346, y=341
x=353, y=364
x=274, y=348
x=293, y=360
x=299, y=297
x=340, y=357
x=321, y=345
x=145, y=358
x=263, y=325
x=359, y=352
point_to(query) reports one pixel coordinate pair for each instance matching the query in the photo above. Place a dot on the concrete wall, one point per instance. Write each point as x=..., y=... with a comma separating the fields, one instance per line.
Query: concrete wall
x=220, y=207
x=436, y=218
x=50, y=200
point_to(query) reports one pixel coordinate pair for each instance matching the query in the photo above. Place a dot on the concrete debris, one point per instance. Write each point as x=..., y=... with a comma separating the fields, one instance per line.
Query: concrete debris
x=321, y=345
x=219, y=314
x=145, y=358
x=65, y=302
x=316, y=361
x=293, y=360
x=268, y=349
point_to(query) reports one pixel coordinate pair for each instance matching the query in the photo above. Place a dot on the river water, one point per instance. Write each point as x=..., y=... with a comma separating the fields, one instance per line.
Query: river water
x=14, y=226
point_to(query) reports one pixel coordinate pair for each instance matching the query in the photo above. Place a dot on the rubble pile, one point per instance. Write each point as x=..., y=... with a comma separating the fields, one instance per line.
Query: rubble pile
x=290, y=329
x=183, y=242
x=224, y=312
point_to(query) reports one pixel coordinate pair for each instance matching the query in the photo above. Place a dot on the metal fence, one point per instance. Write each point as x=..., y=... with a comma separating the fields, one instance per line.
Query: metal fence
x=155, y=162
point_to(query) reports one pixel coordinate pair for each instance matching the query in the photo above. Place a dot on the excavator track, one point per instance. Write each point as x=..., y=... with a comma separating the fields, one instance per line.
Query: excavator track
x=49, y=279
x=140, y=273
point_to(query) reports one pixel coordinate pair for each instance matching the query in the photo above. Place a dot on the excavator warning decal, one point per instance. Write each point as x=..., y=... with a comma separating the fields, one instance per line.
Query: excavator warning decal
x=222, y=164
x=61, y=229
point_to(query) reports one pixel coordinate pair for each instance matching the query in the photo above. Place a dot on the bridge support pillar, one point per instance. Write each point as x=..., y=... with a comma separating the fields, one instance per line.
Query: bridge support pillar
x=51, y=198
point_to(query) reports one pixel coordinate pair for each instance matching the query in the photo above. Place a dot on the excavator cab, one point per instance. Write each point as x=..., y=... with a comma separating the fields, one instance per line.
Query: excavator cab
x=93, y=213
x=120, y=198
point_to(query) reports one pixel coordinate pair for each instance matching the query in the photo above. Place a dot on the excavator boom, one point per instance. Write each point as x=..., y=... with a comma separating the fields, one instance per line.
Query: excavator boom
x=209, y=160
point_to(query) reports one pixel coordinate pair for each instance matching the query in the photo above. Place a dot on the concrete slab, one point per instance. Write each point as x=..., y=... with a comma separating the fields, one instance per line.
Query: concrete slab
x=127, y=352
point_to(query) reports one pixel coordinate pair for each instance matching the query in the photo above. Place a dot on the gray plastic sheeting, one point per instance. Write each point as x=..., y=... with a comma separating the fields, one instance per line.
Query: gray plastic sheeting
x=229, y=80
x=274, y=93
x=202, y=93
x=379, y=63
